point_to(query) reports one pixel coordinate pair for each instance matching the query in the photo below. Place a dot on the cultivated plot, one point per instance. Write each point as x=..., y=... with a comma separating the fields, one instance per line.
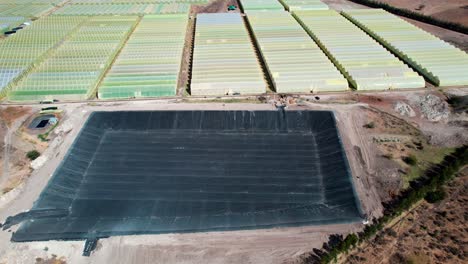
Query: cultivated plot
x=224, y=61
x=366, y=64
x=186, y=171
x=437, y=60
x=295, y=63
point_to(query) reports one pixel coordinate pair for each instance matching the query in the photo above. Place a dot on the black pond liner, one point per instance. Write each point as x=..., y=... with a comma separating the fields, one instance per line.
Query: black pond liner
x=187, y=171
x=40, y=122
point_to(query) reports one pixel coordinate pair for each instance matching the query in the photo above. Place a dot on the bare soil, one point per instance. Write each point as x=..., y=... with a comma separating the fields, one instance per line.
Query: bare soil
x=183, y=81
x=10, y=113
x=455, y=11
x=216, y=6
x=431, y=233
x=14, y=166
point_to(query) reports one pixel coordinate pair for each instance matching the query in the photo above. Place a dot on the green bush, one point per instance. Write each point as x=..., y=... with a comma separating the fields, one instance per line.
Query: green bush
x=33, y=154
x=435, y=196
x=410, y=160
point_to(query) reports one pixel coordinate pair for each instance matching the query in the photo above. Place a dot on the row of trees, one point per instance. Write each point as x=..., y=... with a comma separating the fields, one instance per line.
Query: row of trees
x=414, y=15
x=433, y=180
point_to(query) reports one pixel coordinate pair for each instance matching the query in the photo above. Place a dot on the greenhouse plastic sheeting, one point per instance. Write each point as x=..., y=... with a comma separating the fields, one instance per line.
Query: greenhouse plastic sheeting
x=224, y=61
x=24, y=10
x=20, y=52
x=122, y=9
x=149, y=64
x=137, y=1
x=295, y=63
x=31, y=2
x=437, y=60
x=74, y=69
x=292, y=5
x=366, y=64
x=9, y=22
x=187, y=171
x=261, y=5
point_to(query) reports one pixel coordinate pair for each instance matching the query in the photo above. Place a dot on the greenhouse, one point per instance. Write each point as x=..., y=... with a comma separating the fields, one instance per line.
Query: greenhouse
x=261, y=5
x=439, y=61
x=294, y=62
x=224, y=61
x=366, y=64
x=195, y=171
x=137, y=1
x=20, y=52
x=148, y=66
x=31, y=2
x=292, y=5
x=74, y=69
x=9, y=22
x=122, y=9
x=29, y=11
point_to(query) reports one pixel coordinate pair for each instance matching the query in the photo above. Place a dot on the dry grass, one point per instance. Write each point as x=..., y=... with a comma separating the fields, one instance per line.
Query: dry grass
x=432, y=233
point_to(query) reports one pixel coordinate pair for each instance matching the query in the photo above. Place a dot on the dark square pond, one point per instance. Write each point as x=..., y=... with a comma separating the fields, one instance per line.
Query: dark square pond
x=187, y=171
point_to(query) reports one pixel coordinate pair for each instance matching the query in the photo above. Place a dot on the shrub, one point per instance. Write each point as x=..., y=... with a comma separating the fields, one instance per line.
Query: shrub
x=435, y=196
x=410, y=160
x=388, y=156
x=33, y=154
x=370, y=125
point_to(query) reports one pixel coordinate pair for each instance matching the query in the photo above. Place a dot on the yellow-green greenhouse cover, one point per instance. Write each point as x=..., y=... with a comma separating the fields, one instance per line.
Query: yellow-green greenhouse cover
x=75, y=67
x=294, y=62
x=224, y=61
x=292, y=5
x=23, y=51
x=148, y=66
x=366, y=64
x=436, y=59
x=261, y=5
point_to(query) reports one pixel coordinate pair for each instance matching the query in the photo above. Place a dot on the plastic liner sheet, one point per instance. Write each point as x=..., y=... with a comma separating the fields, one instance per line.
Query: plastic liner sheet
x=187, y=171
